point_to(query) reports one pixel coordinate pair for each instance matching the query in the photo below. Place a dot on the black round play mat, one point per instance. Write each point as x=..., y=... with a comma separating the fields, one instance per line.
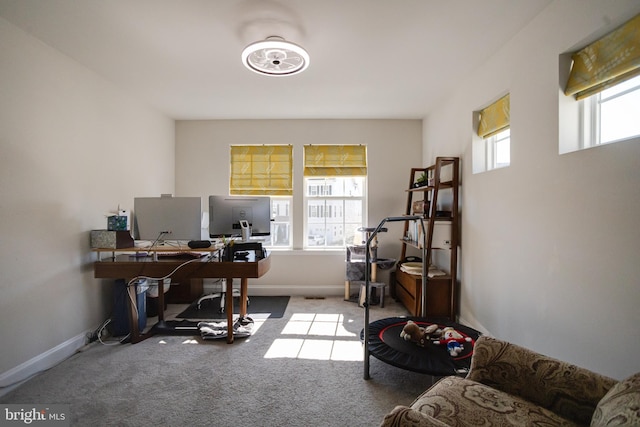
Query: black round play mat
x=386, y=344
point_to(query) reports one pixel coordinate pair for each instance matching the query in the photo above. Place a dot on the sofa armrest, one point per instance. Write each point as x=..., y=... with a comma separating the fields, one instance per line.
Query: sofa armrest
x=568, y=390
x=405, y=416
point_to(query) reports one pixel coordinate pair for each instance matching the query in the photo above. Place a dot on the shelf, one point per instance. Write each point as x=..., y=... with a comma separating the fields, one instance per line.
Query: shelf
x=412, y=243
x=415, y=244
x=437, y=218
x=440, y=291
x=443, y=184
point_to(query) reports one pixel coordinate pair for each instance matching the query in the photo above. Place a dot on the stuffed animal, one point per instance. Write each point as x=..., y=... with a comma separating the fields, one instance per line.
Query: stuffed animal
x=417, y=334
x=453, y=339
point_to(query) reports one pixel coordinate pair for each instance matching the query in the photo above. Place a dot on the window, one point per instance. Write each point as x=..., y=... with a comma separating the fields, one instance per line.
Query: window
x=604, y=77
x=335, y=209
x=335, y=194
x=266, y=170
x=498, y=149
x=281, y=223
x=335, y=189
x=611, y=115
x=261, y=170
x=492, y=146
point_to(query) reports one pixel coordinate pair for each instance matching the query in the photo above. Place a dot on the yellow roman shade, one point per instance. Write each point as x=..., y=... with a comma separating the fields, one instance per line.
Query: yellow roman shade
x=261, y=170
x=495, y=118
x=335, y=160
x=608, y=61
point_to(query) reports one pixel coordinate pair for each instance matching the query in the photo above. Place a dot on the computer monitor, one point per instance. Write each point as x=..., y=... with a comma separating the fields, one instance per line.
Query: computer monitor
x=168, y=218
x=226, y=213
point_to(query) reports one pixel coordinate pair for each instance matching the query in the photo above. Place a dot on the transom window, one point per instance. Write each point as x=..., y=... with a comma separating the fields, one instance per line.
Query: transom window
x=492, y=142
x=604, y=77
x=498, y=149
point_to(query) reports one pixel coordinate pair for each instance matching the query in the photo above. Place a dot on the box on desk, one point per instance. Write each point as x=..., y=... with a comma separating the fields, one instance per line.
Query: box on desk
x=116, y=222
x=111, y=239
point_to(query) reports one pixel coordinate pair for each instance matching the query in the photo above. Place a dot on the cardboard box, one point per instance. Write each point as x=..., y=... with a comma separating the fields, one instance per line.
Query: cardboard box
x=111, y=239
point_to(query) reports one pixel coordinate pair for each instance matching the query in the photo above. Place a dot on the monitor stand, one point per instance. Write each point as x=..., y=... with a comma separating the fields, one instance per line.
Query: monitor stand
x=246, y=230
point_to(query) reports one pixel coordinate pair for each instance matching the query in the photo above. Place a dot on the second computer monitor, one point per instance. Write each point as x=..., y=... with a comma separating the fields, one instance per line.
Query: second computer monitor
x=226, y=212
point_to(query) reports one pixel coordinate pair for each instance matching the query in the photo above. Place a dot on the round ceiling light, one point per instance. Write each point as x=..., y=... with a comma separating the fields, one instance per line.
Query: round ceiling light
x=275, y=57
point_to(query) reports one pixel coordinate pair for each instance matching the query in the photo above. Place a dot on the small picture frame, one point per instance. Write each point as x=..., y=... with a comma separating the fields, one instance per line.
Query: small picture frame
x=418, y=207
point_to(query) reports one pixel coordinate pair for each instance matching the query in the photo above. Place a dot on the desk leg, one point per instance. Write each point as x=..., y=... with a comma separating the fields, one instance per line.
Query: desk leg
x=160, y=300
x=229, y=309
x=132, y=303
x=244, y=282
x=136, y=333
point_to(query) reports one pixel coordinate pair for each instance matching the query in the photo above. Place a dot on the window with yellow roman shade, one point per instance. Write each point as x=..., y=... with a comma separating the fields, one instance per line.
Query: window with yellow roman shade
x=495, y=118
x=261, y=170
x=335, y=160
x=606, y=62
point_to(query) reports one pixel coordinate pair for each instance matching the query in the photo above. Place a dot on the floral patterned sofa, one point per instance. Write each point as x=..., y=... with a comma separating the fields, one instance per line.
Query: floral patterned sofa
x=511, y=385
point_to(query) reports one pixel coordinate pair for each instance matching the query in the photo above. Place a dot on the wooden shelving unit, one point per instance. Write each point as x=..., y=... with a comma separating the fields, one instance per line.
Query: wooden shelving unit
x=441, y=189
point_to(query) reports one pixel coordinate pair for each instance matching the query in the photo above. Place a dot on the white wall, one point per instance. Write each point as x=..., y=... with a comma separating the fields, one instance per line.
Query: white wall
x=551, y=244
x=72, y=148
x=393, y=147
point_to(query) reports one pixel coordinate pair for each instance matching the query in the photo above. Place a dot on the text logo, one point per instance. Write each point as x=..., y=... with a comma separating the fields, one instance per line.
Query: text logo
x=35, y=415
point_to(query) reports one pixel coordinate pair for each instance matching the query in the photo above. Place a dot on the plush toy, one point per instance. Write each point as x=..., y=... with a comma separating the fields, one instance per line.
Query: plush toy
x=453, y=339
x=417, y=334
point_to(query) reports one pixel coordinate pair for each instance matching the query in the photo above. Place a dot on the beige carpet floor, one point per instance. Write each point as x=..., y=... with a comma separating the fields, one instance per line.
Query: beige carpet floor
x=305, y=369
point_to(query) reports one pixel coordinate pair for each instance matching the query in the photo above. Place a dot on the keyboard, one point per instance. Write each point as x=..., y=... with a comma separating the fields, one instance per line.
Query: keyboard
x=181, y=254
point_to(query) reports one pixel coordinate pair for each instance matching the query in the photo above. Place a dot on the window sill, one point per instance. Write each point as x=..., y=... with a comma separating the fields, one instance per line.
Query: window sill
x=312, y=252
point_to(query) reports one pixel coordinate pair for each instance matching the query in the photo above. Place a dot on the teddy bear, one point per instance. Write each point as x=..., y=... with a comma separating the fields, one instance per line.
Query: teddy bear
x=453, y=339
x=417, y=334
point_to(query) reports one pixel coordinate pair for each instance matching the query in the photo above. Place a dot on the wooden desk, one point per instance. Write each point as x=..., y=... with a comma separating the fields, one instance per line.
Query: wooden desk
x=129, y=267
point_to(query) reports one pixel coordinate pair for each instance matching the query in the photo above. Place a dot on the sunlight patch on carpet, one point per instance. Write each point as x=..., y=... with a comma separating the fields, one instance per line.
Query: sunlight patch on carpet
x=318, y=325
x=317, y=336
x=315, y=349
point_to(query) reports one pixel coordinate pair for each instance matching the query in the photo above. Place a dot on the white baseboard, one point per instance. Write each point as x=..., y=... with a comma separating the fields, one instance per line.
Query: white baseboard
x=471, y=321
x=50, y=358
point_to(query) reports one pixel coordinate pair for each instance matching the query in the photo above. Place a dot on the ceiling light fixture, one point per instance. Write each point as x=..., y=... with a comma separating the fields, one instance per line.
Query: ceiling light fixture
x=275, y=57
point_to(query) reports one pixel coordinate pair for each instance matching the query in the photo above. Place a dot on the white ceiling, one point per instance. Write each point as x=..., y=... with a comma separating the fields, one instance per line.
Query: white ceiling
x=369, y=58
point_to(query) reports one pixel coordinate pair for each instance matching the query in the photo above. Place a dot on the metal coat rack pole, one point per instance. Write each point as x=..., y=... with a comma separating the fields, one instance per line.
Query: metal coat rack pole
x=367, y=279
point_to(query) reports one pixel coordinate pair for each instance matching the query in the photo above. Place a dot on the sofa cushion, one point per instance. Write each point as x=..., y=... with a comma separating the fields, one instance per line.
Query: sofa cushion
x=404, y=416
x=568, y=390
x=458, y=401
x=621, y=405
